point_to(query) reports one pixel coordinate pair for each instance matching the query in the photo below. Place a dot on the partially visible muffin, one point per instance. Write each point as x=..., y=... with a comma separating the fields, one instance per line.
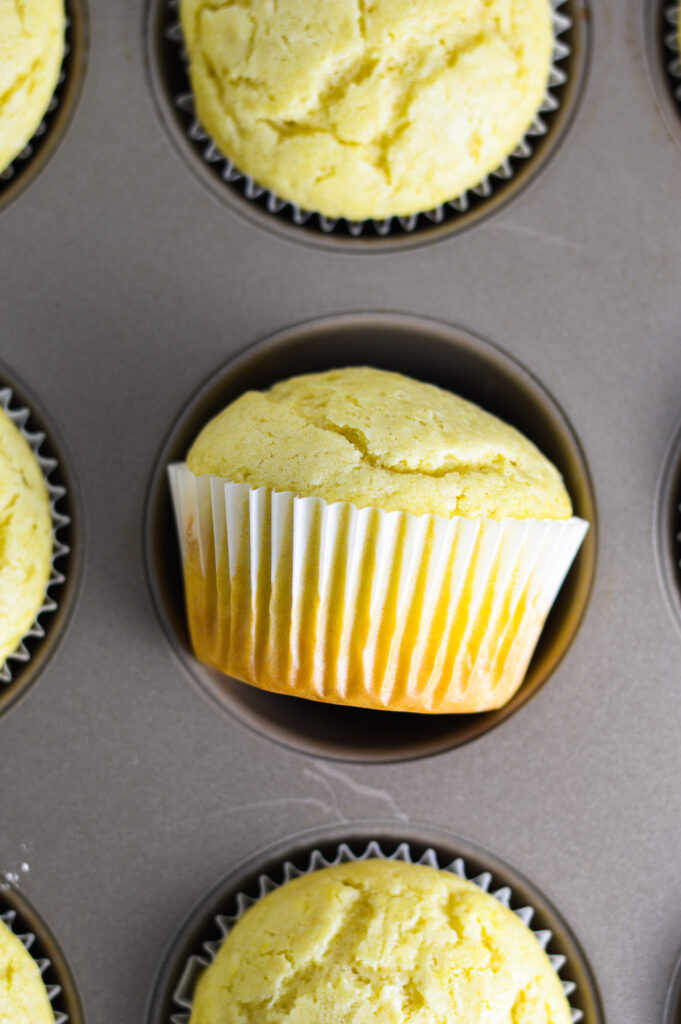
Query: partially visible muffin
x=368, y=110
x=379, y=942
x=23, y=997
x=372, y=437
x=25, y=537
x=31, y=54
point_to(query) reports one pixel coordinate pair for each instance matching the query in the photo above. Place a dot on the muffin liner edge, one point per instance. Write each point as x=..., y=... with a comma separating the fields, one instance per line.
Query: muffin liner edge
x=195, y=964
x=19, y=417
x=361, y=606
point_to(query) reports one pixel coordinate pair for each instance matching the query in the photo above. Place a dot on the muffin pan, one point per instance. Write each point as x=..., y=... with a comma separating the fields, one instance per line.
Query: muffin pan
x=128, y=291
x=169, y=80
x=29, y=163
x=22, y=667
x=198, y=937
x=451, y=358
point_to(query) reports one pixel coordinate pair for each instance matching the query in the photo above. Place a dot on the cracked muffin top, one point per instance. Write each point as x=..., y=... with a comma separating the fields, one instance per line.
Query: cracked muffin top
x=368, y=108
x=25, y=537
x=376, y=438
x=23, y=997
x=379, y=942
x=31, y=53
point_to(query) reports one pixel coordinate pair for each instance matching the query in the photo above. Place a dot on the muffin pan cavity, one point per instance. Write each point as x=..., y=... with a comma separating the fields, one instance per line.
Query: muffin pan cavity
x=431, y=351
x=200, y=935
x=668, y=526
x=30, y=162
x=23, y=667
x=169, y=81
x=22, y=919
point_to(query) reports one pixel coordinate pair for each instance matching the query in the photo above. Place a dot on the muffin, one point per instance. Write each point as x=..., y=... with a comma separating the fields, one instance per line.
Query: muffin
x=31, y=54
x=368, y=110
x=362, y=538
x=383, y=942
x=23, y=996
x=25, y=537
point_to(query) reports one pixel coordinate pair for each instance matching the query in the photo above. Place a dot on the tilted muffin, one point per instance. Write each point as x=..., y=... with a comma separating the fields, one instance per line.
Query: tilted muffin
x=23, y=997
x=368, y=110
x=362, y=538
x=379, y=942
x=25, y=537
x=31, y=54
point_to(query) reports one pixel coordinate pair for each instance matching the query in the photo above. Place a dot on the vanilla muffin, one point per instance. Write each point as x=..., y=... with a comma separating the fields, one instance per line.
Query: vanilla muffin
x=361, y=538
x=379, y=942
x=25, y=537
x=368, y=110
x=23, y=997
x=377, y=438
x=31, y=54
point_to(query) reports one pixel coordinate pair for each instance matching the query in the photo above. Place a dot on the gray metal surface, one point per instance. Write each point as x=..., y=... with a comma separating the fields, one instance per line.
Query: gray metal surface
x=123, y=286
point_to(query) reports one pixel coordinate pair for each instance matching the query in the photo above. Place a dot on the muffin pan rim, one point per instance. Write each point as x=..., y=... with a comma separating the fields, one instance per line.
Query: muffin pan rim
x=658, y=56
x=667, y=506
x=524, y=177
x=71, y=565
x=60, y=120
x=198, y=924
x=268, y=724
x=59, y=972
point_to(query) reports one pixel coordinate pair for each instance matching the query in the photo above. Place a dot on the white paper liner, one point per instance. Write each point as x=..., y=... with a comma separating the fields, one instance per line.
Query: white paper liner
x=250, y=189
x=19, y=416
x=361, y=606
x=27, y=939
x=20, y=160
x=671, y=43
x=184, y=991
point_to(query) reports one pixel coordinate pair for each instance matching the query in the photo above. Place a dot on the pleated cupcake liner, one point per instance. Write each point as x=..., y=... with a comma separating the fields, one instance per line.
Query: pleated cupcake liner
x=250, y=190
x=22, y=159
x=361, y=606
x=19, y=416
x=223, y=923
x=28, y=939
x=670, y=39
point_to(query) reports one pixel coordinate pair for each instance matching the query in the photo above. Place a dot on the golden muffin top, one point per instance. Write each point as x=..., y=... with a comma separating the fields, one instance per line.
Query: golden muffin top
x=23, y=997
x=375, y=438
x=25, y=537
x=368, y=110
x=31, y=53
x=379, y=942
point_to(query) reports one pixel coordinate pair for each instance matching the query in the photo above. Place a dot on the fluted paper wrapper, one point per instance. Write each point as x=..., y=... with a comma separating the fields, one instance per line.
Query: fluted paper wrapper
x=19, y=415
x=27, y=939
x=360, y=606
x=196, y=964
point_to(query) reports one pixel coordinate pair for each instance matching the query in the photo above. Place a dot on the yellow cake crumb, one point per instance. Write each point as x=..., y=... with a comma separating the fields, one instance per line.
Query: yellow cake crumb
x=23, y=997
x=380, y=942
x=375, y=438
x=368, y=108
x=31, y=53
x=25, y=537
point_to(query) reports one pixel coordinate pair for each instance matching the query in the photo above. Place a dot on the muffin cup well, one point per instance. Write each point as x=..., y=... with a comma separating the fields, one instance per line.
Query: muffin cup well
x=19, y=415
x=569, y=32
x=363, y=607
x=672, y=47
x=317, y=859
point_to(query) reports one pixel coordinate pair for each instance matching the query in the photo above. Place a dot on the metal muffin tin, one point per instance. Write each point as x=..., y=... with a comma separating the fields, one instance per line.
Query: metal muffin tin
x=126, y=288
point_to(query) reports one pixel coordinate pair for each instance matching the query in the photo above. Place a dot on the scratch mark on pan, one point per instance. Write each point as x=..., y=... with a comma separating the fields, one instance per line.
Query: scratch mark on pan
x=322, y=772
x=542, y=236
